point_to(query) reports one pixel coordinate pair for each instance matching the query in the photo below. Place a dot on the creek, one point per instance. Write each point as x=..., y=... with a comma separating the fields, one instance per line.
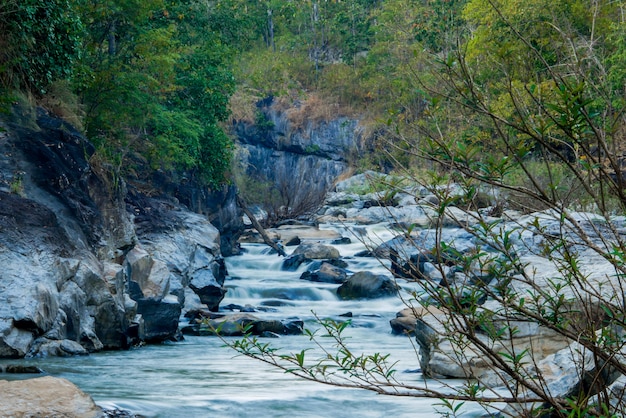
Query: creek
x=200, y=377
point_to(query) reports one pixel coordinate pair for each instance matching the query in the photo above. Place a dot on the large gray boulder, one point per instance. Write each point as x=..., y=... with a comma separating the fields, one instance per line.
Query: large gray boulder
x=367, y=285
x=316, y=251
x=147, y=277
x=190, y=248
x=445, y=353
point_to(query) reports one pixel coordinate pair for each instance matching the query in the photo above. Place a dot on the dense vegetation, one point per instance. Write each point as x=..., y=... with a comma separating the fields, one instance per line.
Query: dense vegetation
x=148, y=80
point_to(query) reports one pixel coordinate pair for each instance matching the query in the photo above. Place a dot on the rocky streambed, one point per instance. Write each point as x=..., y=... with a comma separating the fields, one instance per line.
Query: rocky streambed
x=88, y=266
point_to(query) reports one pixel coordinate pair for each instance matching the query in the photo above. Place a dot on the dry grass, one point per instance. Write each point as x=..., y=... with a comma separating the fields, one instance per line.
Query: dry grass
x=313, y=109
x=243, y=106
x=60, y=101
x=301, y=110
x=349, y=172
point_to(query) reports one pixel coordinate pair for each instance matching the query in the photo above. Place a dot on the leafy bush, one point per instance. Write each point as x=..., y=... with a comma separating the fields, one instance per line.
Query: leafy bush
x=40, y=43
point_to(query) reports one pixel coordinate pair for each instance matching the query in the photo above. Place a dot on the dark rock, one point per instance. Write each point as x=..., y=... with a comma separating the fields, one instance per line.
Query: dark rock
x=327, y=273
x=294, y=261
x=293, y=241
x=293, y=327
x=237, y=324
x=231, y=307
x=200, y=314
x=266, y=309
x=211, y=295
x=366, y=285
x=119, y=413
x=160, y=318
x=20, y=369
x=57, y=158
x=276, y=302
x=411, y=267
x=341, y=241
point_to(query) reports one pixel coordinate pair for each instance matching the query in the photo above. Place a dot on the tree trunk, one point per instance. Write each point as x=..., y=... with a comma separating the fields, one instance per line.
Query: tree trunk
x=259, y=228
x=111, y=38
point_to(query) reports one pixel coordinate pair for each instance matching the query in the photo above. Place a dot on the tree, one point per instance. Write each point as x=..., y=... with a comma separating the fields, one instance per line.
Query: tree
x=39, y=43
x=534, y=111
x=155, y=85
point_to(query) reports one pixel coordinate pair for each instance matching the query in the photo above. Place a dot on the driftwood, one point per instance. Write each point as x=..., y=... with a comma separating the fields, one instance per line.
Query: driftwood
x=259, y=228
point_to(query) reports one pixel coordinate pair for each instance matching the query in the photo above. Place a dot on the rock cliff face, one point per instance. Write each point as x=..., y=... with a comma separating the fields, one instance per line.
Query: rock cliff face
x=310, y=154
x=85, y=264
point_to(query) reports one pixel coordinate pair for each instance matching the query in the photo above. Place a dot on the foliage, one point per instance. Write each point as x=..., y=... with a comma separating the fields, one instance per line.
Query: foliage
x=153, y=83
x=146, y=79
x=39, y=43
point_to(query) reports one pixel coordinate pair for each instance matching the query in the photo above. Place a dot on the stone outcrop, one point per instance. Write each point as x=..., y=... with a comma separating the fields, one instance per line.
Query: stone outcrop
x=444, y=353
x=460, y=259
x=326, y=273
x=87, y=265
x=316, y=251
x=306, y=153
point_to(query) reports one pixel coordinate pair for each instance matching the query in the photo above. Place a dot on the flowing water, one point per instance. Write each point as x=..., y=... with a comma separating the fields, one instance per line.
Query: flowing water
x=200, y=377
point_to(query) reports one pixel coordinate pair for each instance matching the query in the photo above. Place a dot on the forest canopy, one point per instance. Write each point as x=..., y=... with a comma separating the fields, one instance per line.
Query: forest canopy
x=151, y=80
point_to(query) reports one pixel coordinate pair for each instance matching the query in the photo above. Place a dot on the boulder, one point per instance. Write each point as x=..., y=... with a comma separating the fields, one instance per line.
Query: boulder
x=202, y=273
x=20, y=369
x=327, y=273
x=147, y=277
x=160, y=318
x=238, y=324
x=46, y=397
x=444, y=353
x=293, y=241
x=367, y=285
x=14, y=342
x=44, y=347
x=95, y=308
x=204, y=284
x=316, y=251
x=404, y=322
x=566, y=374
x=294, y=261
x=303, y=232
x=189, y=246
